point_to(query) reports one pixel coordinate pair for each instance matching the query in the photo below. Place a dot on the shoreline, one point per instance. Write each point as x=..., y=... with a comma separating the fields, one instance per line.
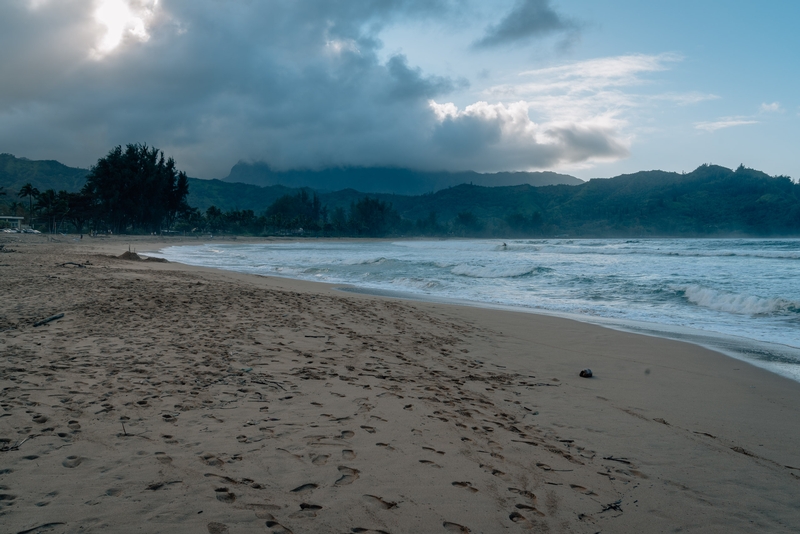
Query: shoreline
x=780, y=359
x=236, y=390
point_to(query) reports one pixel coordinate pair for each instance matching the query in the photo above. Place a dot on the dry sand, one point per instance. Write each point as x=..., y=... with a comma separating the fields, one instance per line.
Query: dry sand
x=178, y=399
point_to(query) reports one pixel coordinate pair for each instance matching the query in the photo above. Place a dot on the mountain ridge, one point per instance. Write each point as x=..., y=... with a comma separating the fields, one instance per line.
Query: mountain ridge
x=709, y=201
x=388, y=180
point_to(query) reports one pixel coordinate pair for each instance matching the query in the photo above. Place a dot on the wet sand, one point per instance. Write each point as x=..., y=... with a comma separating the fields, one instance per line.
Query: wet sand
x=178, y=399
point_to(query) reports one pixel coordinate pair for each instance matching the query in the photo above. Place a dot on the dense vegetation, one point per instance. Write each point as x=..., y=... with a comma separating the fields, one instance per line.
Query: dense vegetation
x=135, y=189
x=710, y=201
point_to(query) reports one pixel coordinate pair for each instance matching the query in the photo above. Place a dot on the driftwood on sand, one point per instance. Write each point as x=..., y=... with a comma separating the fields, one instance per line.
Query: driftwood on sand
x=51, y=318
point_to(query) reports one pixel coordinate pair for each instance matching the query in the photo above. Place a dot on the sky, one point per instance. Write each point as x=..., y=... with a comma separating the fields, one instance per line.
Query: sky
x=591, y=89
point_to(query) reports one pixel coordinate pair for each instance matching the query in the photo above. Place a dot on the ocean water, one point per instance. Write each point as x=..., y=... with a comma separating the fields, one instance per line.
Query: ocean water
x=739, y=296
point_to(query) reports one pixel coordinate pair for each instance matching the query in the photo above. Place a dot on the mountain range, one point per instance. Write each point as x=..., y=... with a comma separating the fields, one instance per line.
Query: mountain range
x=711, y=200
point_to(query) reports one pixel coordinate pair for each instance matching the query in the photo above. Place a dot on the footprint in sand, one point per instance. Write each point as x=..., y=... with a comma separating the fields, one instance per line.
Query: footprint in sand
x=432, y=464
x=224, y=495
x=348, y=454
x=493, y=471
x=386, y=445
x=349, y=475
x=74, y=425
x=378, y=502
x=40, y=419
x=114, y=492
x=163, y=458
x=465, y=485
x=72, y=462
x=455, y=527
x=305, y=488
x=520, y=519
x=529, y=508
x=369, y=429
x=347, y=434
x=275, y=527
x=524, y=493
x=262, y=510
x=321, y=459
x=582, y=489
x=217, y=528
x=211, y=460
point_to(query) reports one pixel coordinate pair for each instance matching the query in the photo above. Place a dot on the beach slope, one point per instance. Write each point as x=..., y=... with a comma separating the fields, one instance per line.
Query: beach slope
x=178, y=399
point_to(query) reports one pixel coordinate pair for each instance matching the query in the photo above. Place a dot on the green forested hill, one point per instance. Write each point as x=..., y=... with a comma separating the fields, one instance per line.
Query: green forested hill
x=711, y=200
x=43, y=174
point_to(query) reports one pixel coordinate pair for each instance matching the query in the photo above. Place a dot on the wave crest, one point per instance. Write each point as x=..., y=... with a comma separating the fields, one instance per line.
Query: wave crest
x=496, y=271
x=737, y=303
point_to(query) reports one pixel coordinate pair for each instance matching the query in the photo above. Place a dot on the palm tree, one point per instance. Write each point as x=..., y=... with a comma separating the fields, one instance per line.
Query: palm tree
x=31, y=192
x=14, y=208
x=53, y=206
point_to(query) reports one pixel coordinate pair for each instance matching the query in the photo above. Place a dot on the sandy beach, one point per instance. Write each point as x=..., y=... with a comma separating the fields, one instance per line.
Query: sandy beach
x=171, y=398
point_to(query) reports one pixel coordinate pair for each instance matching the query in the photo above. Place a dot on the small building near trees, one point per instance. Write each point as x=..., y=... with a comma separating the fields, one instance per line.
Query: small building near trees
x=7, y=221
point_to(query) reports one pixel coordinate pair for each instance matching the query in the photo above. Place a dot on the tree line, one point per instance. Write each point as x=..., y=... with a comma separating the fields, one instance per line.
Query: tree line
x=135, y=189
x=304, y=214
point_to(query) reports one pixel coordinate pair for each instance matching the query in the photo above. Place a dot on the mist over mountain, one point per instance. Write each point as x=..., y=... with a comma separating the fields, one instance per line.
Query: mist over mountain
x=387, y=179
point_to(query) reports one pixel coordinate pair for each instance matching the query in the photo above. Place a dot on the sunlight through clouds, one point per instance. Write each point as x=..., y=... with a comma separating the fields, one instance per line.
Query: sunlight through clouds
x=122, y=18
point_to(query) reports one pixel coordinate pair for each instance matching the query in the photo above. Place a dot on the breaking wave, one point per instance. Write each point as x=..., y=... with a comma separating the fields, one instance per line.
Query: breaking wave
x=497, y=271
x=737, y=303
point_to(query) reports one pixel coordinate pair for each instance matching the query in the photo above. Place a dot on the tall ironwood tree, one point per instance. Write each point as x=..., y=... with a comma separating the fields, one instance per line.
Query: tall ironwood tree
x=136, y=188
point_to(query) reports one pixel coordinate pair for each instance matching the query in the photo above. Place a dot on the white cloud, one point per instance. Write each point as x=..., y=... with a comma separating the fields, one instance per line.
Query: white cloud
x=568, y=116
x=595, y=90
x=488, y=136
x=686, y=99
x=592, y=74
x=713, y=126
x=774, y=107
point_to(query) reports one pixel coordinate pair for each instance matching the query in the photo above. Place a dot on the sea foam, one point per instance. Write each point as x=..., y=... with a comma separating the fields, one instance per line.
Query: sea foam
x=737, y=303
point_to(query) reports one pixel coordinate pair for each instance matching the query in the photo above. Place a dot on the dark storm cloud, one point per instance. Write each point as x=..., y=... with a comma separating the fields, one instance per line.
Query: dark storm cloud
x=527, y=20
x=297, y=84
x=411, y=84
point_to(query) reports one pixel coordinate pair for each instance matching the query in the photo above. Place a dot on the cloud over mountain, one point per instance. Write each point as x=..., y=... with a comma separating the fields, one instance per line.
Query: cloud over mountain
x=294, y=83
